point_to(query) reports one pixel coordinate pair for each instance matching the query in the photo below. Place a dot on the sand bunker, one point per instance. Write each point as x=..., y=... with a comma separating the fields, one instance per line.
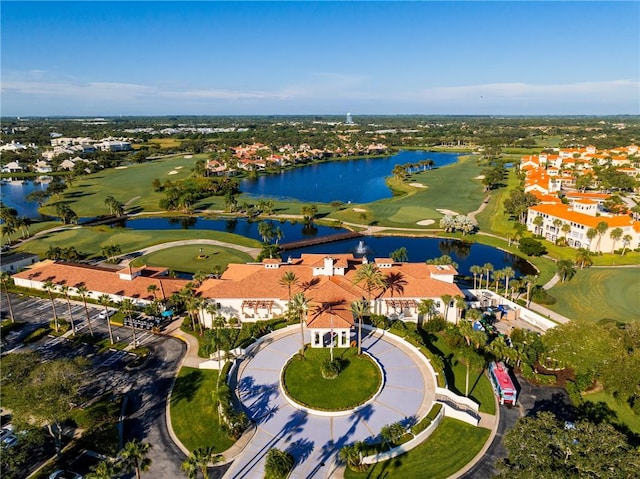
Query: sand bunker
x=178, y=167
x=173, y=172
x=479, y=177
x=447, y=212
x=417, y=185
x=188, y=156
x=359, y=210
x=425, y=222
x=121, y=167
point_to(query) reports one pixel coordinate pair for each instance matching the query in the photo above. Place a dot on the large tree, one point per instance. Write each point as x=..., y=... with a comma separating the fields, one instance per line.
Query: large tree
x=134, y=457
x=42, y=393
x=545, y=447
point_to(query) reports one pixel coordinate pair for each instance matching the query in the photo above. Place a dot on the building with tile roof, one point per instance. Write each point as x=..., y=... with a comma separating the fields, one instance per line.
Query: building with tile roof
x=254, y=291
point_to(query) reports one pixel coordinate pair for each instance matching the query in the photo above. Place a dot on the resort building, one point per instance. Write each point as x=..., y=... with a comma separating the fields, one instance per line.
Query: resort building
x=250, y=292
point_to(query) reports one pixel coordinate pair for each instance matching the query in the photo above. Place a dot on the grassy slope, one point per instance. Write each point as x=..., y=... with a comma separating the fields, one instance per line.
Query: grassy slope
x=624, y=413
x=452, y=445
x=185, y=258
x=131, y=184
x=193, y=414
x=91, y=240
x=596, y=293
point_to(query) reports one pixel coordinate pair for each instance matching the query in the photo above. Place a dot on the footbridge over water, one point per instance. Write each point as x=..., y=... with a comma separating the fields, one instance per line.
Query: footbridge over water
x=321, y=240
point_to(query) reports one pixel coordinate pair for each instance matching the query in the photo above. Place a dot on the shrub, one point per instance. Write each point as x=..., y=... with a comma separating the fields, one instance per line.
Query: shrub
x=36, y=335
x=330, y=369
x=278, y=464
x=539, y=295
x=380, y=321
x=435, y=325
x=532, y=247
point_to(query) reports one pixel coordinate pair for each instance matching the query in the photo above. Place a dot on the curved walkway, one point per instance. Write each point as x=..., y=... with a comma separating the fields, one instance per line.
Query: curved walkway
x=314, y=441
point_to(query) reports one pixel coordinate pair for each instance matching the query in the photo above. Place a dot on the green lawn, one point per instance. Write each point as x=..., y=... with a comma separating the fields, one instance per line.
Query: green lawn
x=185, y=258
x=355, y=384
x=480, y=389
x=451, y=446
x=130, y=185
x=597, y=293
x=90, y=240
x=625, y=414
x=193, y=414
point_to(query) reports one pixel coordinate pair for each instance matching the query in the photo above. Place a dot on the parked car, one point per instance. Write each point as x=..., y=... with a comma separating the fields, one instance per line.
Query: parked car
x=6, y=431
x=103, y=313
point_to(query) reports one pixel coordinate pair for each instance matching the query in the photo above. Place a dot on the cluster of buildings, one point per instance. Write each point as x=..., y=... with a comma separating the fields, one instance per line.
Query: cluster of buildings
x=258, y=156
x=552, y=177
x=255, y=291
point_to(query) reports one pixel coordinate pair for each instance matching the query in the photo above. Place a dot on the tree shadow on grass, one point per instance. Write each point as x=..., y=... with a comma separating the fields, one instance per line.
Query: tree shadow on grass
x=186, y=386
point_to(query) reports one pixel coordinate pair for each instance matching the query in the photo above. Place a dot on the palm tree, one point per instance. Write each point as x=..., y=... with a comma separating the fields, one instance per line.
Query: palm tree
x=591, y=233
x=289, y=279
x=372, y=278
x=359, y=309
x=352, y=455
x=152, y=288
x=461, y=305
x=530, y=281
x=64, y=289
x=566, y=229
x=126, y=306
x=476, y=271
x=487, y=268
x=538, y=221
x=446, y=302
x=134, y=457
x=615, y=234
x=497, y=277
x=105, y=301
x=565, y=269
x=199, y=277
x=601, y=229
x=5, y=278
x=278, y=464
x=50, y=287
x=626, y=241
x=109, y=201
x=199, y=460
x=467, y=356
x=84, y=292
x=508, y=274
x=583, y=258
x=103, y=470
x=426, y=307
x=300, y=304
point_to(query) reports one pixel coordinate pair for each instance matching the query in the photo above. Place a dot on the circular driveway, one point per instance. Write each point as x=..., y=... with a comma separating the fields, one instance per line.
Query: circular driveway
x=314, y=441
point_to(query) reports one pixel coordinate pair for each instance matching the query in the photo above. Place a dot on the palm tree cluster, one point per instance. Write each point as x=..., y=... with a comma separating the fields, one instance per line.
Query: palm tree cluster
x=115, y=207
x=13, y=222
x=66, y=214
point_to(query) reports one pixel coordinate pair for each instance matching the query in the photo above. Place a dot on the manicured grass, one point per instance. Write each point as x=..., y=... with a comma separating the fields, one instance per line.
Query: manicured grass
x=356, y=383
x=451, y=446
x=625, y=414
x=130, y=185
x=186, y=258
x=193, y=413
x=493, y=217
x=90, y=240
x=597, y=293
x=163, y=143
x=480, y=389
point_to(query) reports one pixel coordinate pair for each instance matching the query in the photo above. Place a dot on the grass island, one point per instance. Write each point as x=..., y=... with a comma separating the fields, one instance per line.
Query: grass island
x=357, y=382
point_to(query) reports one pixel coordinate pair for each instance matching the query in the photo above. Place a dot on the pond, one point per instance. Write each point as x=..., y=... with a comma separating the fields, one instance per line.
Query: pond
x=14, y=194
x=355, y=181
x=419, y=249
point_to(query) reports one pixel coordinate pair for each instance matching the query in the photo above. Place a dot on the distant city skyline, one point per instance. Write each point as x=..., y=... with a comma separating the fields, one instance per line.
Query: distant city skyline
x=324, y=58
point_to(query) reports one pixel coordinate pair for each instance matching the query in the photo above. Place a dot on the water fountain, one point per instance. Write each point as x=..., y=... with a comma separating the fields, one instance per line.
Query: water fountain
x=362, y=248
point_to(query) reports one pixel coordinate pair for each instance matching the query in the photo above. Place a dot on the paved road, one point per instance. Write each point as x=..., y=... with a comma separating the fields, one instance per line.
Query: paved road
x=315, y=440
x=532, y=399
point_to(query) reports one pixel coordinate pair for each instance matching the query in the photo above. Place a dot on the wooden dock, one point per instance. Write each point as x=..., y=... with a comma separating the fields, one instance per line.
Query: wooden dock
x=321, y=240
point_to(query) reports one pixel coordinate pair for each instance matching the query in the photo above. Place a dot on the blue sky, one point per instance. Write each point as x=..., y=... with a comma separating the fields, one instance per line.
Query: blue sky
x=238, y=58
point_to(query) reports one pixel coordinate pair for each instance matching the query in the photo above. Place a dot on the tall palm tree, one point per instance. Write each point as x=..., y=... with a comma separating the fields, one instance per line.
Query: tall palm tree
x=84, y=292
x=601, y=229
x=134, y=456
x=289, y=279
x=359, y=309
x=461, y=305
x=64, y=289
x=300, y=304
x=446, y=301
x=126, y=306
x=626, y=241
x=199, y=277
x=615, y=234
x=565, y=269
x=152, y=288
x=105, y=301
x=487, y=268
x=103, y=470
x=476, y=271
x=508, y=274
x=372, y=277
x=583, y=258
x=566, y=229
x=591, y=233
x=5, y=278
x=203, y=457
x=425, y=307
x=49, y=286
x=530, y=281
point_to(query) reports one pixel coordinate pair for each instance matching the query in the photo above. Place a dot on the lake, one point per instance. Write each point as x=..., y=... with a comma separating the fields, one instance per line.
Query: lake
x=355, y=181
x=14, y=193
x=419, y=249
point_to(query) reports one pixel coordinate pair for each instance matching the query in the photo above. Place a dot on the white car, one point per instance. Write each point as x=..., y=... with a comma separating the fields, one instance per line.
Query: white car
x=103, y=314
x=61, y=474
